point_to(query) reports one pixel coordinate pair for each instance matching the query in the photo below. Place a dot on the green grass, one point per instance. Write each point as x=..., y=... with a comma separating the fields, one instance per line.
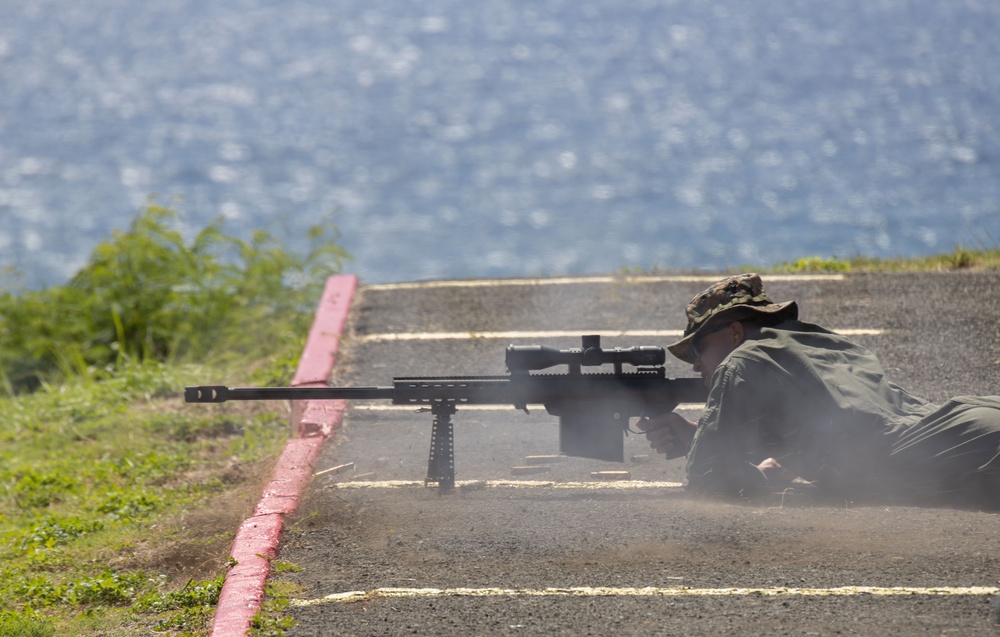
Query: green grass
x=99, y=480
x=960, y=259
x=118, y=502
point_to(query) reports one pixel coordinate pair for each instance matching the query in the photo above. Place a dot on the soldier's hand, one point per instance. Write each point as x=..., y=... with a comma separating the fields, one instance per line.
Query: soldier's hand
x=670, y=434
x=777, y=474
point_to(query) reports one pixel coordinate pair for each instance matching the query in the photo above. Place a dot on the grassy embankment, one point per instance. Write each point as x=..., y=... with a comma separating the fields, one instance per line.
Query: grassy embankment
x=960, y=259
x=117, y=501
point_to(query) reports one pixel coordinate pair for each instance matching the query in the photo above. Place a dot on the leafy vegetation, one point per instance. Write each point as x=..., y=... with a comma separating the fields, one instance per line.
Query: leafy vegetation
x=117, y=501
x=146, y=294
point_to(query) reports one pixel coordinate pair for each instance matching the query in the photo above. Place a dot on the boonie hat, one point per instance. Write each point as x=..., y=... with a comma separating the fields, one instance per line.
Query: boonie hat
x=731, y=299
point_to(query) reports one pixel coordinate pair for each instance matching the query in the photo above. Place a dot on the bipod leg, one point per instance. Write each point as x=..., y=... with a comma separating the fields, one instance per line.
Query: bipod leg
x=441, y=464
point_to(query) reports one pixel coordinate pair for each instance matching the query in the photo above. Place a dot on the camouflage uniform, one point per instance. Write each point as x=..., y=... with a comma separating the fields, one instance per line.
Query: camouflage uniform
x=822, y=406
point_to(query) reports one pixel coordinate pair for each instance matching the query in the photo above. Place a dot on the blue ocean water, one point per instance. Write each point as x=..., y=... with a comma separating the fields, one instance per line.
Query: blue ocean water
x=450, y=139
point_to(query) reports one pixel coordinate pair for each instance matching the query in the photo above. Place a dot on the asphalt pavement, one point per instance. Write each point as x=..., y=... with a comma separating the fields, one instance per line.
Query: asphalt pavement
x=574, y=546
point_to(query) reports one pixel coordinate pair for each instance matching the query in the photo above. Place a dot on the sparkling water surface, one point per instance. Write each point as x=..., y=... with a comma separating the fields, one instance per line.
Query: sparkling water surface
x=452, y=139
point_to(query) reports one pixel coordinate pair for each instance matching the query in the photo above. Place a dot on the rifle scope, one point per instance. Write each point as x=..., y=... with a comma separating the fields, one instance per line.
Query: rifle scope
x=524, y=358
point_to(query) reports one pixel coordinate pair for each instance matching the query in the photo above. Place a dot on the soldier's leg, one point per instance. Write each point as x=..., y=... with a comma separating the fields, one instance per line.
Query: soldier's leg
x=954, y=455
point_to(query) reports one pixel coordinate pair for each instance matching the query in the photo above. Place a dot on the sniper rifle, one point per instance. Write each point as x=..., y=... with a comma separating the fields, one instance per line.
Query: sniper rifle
x=593, y=407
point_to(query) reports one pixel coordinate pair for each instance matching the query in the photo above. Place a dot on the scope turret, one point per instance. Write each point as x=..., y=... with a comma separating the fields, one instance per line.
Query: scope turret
x=525, y=358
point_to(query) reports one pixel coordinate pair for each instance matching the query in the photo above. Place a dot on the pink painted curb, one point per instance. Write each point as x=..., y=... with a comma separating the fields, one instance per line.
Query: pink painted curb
x=312, y=422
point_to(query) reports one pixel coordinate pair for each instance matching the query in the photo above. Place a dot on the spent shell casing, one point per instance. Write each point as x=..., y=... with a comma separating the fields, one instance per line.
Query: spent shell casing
x=611, y=475
x=340, y=468
x=545, y=459
x=529, y=470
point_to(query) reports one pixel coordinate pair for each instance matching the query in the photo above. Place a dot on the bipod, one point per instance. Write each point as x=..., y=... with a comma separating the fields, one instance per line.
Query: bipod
x=441, y=464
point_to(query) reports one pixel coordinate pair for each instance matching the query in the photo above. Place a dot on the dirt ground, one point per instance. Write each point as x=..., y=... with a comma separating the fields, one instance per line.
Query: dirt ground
x=563, y=552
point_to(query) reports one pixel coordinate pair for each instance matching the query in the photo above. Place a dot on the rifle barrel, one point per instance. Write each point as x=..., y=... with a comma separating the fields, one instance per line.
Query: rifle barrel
x=221, y=393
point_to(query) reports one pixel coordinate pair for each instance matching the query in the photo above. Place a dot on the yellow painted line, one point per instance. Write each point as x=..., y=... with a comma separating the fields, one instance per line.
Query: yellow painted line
x=650, y=591
x=609, y=485
x=411, y=408
x=539, y=334
x=481, y=283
